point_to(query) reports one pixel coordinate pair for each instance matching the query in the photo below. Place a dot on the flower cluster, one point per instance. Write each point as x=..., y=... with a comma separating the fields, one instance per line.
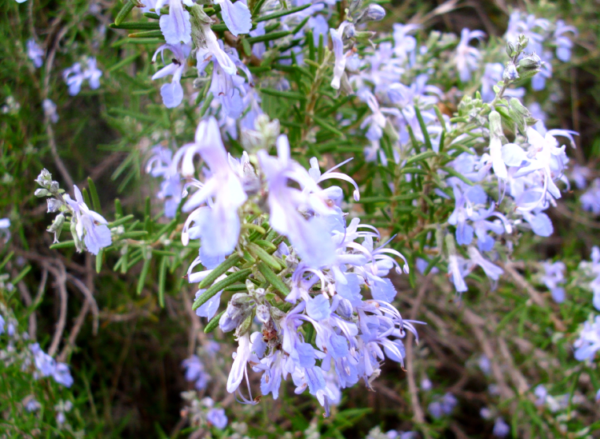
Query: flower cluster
x=546, y=39
x=553, y=278
x=324, y=271
x=32, y=357
x=75, y=75
x=203, y=411
x=88, y=228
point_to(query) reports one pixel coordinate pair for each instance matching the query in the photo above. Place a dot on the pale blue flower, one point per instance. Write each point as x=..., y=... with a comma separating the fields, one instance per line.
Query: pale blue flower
x=538, y=82
x=49, y=108
x=62, y=375
x=75, y=75
x=590, y=199
x=533, y=28
x=44, y=363
x=176, y=26
x=467, y=57
x=163, y=164
x=91, y=227
x=172, y=94
x=194, y=371
x=35, y=53
x=443, y=406
x=217, y=417
x=216, y=203
x=310, y=237
x=501, y=428
x=236, y=15
x=554, y=276
x=5, y=228
x=563, y=44
x=588, y=342
x=337, y=39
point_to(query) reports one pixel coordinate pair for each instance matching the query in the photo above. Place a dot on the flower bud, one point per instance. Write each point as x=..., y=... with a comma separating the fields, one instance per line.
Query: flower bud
x=44, y=178
x=40, y=193
x=529, y=66
x=262, y=312
x=53, y=204
x=511, y=50
x=57, y=226
x=522, y=42
x=510, y=73
x=521, y=115
x=496, y=125
x=372, y=13
x=245, y=326
x=78, y=243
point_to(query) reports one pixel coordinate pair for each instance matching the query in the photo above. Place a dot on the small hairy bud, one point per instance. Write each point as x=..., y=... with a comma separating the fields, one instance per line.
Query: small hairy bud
x=44, y=179
x=529, y=66
x=57, y=226
x=40, y=193
x=372, y=13
x=510, y=72
x=262, y=312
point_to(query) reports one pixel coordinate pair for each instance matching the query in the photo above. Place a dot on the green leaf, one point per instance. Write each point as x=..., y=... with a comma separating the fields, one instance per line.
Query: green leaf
x=137, y=25
x=64, y=244
x=21, y=275
x=133, y=235
x=214, y=322
x=6, y=259
x=147, y=34
x=219, y=270
x=120, y=221
x=123, y=63
x=283, y=13
x=162, y=277
x=124, y=12
x=268, y=37
x=143, y=274
x=273, y=279
x=420, y=157
x=206, y=104
x=458, y=175
x=283, y=94
x=260, y=253
x=94, y=195
x=86, y=197
x=257, y=7
x=246, y=47
x=423, y=128
x=215, y=288
x=99, y=257
x=328, y=127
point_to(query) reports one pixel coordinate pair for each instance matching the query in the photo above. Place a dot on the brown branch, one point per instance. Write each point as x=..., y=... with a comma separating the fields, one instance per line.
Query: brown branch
x=413, y=390
x=535, y=296
x=89, y=296
x=60, y=276
x=49, y=130
x=477, y=324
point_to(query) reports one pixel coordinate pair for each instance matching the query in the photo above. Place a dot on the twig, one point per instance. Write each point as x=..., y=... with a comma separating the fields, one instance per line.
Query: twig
x=535, y=296
x=35, y=303
x=195, y=330
x=49, y=130
x=412, y=386
x=89, y=298
x=74, y=332
x=477, y=323
x=61, y=283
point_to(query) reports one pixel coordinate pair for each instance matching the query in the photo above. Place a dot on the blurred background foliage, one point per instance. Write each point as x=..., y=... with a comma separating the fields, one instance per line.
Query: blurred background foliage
x=128, y=375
